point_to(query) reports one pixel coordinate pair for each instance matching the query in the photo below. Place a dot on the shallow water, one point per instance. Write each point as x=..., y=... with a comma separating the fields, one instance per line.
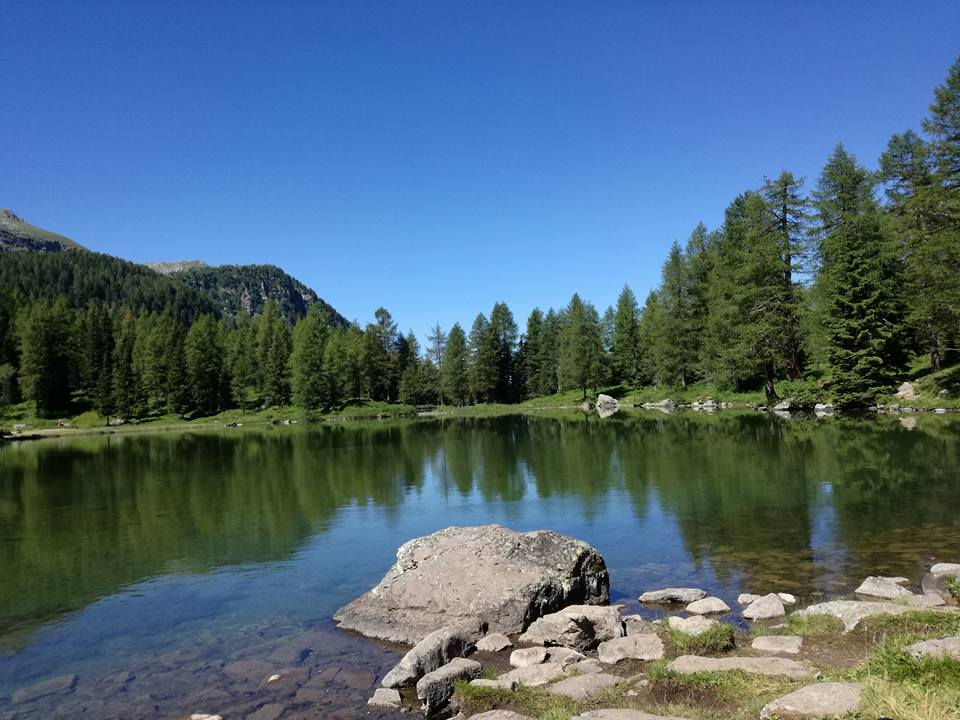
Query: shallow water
x=174, y=573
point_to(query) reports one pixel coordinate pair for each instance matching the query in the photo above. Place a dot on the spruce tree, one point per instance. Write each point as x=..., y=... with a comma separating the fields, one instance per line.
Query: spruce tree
x=533, y=354
x=453, y=369
x=503, y=338
x=626, y=350
x=482, y=367
x=46, y=357
x=310, y=382
x=581, y=346
x=128, y=396
x=380, y=358
x=206, y=365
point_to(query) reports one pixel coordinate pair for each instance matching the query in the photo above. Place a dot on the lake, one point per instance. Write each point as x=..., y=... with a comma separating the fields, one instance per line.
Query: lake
x=173, y=573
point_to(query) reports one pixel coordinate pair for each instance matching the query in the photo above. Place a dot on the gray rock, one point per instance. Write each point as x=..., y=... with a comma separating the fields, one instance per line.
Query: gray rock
x=434, y=651
x=497, y=684
x=707, y=606
x=564, y=656
x=927, y=600
x=851, y=612
x=766, y=608
x=385, y=697
x=773, y=666
x=270, y=711
x=883, y=587
x=582, y=627
x=948, y=647
x=619, y=714
x=525, y=657
x=534, y=675
x=946, y=569
x=815, y=701
x=673, y=595
x=696, y=625
x=783, y=405
x=636, y=625
x=787, y=598
x=60, y=684
x=583, y=687
x=778, y=644
x=586, y=666
x=747, y=598
x=632, y=647
x=436, y=688
x=507, y=579
x=494, y=642
x=500, y=715
x=606, y=402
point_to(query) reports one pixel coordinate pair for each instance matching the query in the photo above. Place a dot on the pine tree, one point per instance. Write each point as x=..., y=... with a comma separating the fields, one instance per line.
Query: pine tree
x=675, y=345
x=380, y=359
x=206, y=365
x=943, y=126
x=581, y=346
x=482, y=365
x=533, y=354
x=97, y=357
x=311, y=384
x=273, y=355
x=549, y=380
x=243, y=362
x=46, y=357
x=128, y=395
x=863, y=317
x=453, y=369
x=626, y=348
x=436, y=344
x=503, y=337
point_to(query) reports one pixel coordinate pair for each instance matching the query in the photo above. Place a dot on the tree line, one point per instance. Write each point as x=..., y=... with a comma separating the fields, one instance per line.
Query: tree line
x=838, y=286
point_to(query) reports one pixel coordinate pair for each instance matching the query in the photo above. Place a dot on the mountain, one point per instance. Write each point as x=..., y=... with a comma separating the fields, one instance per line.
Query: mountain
x=237, y=288
x=17, y=235
x=168, y=268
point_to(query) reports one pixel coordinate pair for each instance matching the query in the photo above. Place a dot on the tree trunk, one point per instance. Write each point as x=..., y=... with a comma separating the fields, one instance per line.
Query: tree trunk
x=768, y=387
x=934, y=357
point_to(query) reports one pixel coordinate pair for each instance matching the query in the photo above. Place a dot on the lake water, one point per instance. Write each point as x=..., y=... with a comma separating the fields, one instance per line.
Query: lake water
x=173, y=573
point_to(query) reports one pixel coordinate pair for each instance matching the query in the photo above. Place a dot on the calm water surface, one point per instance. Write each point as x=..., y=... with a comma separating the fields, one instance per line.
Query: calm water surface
x=173, y=573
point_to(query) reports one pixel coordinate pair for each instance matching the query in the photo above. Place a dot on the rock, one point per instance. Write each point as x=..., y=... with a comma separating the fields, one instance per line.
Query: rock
x=585, y=667
x=564, y=656
x=494, y=642
x=927, y=600
x=787, y=598
x=60, y=684
x=385, y=697
x=935, y=585
x=851, y=612
x=755, y=665
x=435, y=650
x=526, y=657
x=673, y=595
x=436, y=688
x=747, y=598
x=708, y=606
x=783, y=405
x=579, y=626
x=823, y=407
x=882, y=587
x=636, y=625
x=778, y=644
x=533, y=676
x=497, y=684
x=273, y=678
x=948, y=647
x=607, y=402
x=116, y=422
x=204, y=716
x=766, y=608
x=825, y=699
x=632, y=647
x=584, y=687
x=906, y=392
x=946, y=569
x=270, y=711
x=696, y=625
x=500, y=715
x=619, y=714
x=507, y=579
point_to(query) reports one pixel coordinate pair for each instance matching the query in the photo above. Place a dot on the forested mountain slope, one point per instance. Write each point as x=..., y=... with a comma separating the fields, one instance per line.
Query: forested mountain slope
x=17, y=235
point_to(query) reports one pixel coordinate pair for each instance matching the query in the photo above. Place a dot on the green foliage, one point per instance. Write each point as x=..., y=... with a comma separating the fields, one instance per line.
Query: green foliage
x=814, y=626
x=311, y=384
x=46, y=359
x=206, y=365
x=453, y=369
x=580, y=346
x=718, y=639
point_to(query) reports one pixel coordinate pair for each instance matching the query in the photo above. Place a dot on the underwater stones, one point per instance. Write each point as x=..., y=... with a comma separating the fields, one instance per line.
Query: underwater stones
x=59, y=684
x=508, y=579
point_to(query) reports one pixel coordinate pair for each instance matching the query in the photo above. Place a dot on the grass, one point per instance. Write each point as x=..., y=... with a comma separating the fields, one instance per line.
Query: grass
x=717, y=640
x=814, y=626
x=908, y=701
x=953, y=585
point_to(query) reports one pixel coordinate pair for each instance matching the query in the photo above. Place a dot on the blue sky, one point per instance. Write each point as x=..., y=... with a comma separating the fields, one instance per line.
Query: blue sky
x=435, y=157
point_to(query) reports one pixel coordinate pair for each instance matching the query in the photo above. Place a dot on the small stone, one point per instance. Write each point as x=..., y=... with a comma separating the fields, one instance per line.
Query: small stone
x=582, y=627
x=927, y=600
x=583, y=687
x=824, y=699
x=778, y=644
x=620, y=714
x=500, y=715
x=436, y=688
x=204, y=716
x=585, y=667
x=525, y=657
x=636, y=625
x=787, y=598
x=273, y=678
x=882, y=587
x=385, y=697
x=270, y=711
x=534, y=675
x=766, y=608
x=673, y=595
x=564, y=656
x=747, y=598
x=632, y=647
x=946, y=569
x=948, y=647
x=707, y=606
x=696, y=625
x=63, y=683
x=494, y=642
x=772, y=666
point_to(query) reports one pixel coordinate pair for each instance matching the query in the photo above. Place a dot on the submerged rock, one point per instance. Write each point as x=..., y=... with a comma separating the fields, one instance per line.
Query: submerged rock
x=673, y=595
x=434, y=651
x=824, y=699
x=436, y=688
x=385, y=697
x=60, y=684
x=582, y=627
x=507, y=579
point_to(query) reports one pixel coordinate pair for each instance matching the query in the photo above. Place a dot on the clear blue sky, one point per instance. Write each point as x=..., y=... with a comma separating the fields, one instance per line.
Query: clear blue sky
x=437, y=157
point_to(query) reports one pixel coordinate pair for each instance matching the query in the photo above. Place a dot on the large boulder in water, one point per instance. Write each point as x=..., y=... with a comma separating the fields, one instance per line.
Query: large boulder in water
x=507, y=579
